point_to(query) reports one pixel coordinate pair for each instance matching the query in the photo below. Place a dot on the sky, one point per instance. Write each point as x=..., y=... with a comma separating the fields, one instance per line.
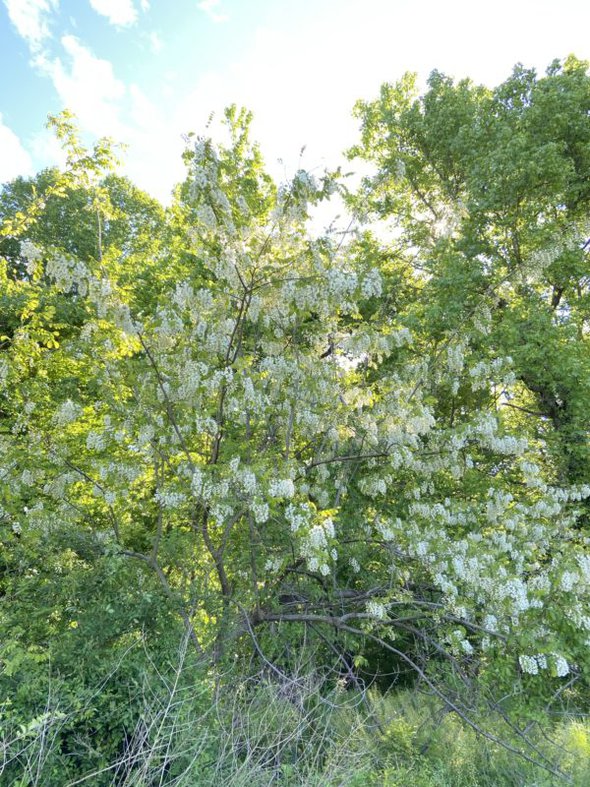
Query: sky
x=147, y=72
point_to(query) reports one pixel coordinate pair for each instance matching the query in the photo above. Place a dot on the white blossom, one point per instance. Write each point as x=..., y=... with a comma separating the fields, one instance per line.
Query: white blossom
x=354, y=564
x=376, y=609
x=281, y=488
x=261, y=512
x=67, y=413
x=561, y=666
x=95, y=441
x=529, y=664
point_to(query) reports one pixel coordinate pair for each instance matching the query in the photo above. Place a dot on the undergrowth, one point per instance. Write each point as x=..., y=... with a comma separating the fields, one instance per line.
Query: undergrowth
x=190, y=728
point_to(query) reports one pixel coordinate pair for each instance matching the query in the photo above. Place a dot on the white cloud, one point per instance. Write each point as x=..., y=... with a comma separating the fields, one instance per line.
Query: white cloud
x=143, y=113
x=300, y=74
x=87, y=85
x=119, y=12
x=14, y=159
x=145, y=5
x=295, y=103
x=156, y=43
x=30, y=17
x=46, y=150
x=209, y=7
x=105, y=106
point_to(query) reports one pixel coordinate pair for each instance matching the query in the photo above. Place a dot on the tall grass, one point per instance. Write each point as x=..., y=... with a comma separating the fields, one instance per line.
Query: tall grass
x=301, y=727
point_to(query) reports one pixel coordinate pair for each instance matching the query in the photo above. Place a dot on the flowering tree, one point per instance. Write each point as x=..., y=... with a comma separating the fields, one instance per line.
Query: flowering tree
x=268, y=431
x=488, y=191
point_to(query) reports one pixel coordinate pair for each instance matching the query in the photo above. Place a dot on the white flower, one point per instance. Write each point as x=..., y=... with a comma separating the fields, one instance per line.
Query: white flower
x=206, y=215
x=297, y=517
x=490, y=622
x=281, y=488
x=385, y=530
x=376, y=609
x=183, y=295
x=95, y=441
x=541, y=660
x=272, y=565
x=249, y=482
x=354, y=564
x=168, y=499
x=197, y=482
x=561, y=666
x=466, y=646
x=421, y=548
x=568, y=580
x=371, y=284
x=3, y=372
x=328, y=526
x=317, y=537
x=529, y=664
x=27, y=478
x=260, y=512
x=401, y=337
x=67, y=413
x=584, y=564
x=32, y=255
x=146, y=435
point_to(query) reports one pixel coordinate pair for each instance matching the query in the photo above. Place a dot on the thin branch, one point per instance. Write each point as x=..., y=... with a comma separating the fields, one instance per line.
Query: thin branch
x=170, y=593
x=339, y=624
x=525, y=410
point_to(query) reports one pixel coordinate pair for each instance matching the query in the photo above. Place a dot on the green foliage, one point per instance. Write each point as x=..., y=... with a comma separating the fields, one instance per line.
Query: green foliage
x=220, y=430
x=493, y=186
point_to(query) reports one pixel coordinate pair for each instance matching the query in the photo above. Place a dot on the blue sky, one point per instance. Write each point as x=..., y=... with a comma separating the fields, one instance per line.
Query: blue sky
x=147, y=71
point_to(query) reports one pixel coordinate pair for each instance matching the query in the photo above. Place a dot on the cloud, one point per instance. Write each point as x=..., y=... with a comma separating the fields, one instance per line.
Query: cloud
x=14, y=159
x=156, y=43
x=209, y=6
x=30, y=18
x=120, y=13
x=295, y=104
x=46, y=150
x=105, y=106
x=87, y=85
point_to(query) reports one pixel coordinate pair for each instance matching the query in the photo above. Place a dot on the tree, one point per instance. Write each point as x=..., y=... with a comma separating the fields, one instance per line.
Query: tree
x=262, y=431
x=491, y=186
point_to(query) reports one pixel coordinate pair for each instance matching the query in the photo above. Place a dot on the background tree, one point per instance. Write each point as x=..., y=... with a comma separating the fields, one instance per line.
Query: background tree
x=490, y=187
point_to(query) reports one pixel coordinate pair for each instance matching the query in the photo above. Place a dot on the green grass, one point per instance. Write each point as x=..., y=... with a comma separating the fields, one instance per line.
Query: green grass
x=260, y=731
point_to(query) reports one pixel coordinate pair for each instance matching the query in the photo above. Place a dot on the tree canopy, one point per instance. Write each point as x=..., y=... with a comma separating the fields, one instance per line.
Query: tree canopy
x=372, y=445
